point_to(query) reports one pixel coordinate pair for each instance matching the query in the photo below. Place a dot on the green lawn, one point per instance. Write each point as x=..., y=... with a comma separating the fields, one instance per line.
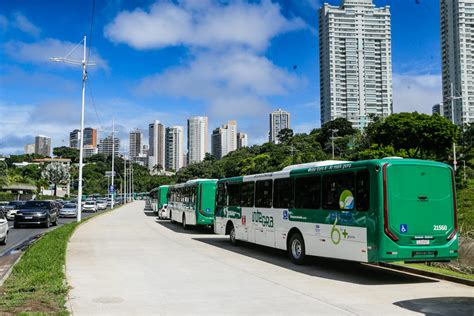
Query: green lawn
x=37, y=283
x=439, y=270
x=466, y=209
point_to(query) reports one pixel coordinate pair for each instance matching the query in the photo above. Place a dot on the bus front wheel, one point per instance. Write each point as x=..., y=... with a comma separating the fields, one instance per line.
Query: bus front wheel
x=296, y=249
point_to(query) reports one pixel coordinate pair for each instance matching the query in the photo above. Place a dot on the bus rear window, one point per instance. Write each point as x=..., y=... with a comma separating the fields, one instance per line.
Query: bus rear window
x=308, y=192
x=338, y=191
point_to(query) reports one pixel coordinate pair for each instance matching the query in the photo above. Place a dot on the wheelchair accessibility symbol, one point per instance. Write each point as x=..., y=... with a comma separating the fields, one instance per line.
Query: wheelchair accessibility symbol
x=403, y=228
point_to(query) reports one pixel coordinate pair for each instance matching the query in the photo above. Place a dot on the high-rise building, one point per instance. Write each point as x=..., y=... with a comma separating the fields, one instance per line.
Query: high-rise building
x=91, y=151
x=43, y=145
x=174, y=148
x=355, y=62
x=198, y=139
x=457, y=47
x=29, y=149
x=279, y=120
x=156, y=143
x=135, y=138
x=436, y=109
x=106, y=146
x=224, y=139
x=90, y=137
x=242, y=140
x=74, y=138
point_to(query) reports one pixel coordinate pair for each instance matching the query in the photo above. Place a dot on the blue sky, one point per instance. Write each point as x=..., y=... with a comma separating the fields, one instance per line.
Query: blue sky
x=170, y=60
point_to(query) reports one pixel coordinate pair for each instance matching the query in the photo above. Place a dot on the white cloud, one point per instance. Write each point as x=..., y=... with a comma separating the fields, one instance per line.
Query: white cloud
x=416, y=92
x=201, y=24
x=39, y=52
x=23, y=24
x=234, y=84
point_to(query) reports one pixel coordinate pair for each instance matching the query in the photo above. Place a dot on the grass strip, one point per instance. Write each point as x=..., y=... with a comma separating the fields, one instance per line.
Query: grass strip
x=435, y=269
x=37, y=283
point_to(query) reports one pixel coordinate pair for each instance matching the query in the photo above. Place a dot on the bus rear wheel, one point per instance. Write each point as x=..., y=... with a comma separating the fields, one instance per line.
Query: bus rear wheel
x=232, y=236
x=184, y=222
x=296, y=249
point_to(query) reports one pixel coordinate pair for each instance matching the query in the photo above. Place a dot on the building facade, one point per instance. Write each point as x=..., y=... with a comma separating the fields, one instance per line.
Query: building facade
x=91, y=151
x=355, y=62
x=436, y=109
x=242, y=140
x=74, y=138
x=279, y=120
x=107, y=146
x=29, y=149
x=156, y=145
x=43, y=145
x=135, y=142
x=457, y=48
x=198, y=139
x=224, y=139
x=174, y=148
x=90, y=137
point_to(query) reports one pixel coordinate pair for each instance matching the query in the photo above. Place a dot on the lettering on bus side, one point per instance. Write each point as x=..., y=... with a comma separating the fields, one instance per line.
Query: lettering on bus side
x=258, y=217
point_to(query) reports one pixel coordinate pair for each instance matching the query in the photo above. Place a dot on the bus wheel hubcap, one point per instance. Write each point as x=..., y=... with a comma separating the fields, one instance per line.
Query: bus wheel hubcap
x=296, y=248
x=232, y=234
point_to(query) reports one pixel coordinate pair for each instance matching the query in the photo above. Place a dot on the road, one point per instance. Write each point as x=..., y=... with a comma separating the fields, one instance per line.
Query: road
x=128, y=262
x=17, y=236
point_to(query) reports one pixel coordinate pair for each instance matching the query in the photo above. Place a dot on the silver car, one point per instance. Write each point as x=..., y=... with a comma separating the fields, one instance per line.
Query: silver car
x=101, y=204
x=90, y=206
x=68, y=210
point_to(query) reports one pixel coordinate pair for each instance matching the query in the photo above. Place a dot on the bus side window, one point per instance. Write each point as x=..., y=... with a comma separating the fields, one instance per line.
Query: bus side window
x=363, y=190
x=247, y=194
x=338, y=190
x=220, y=201
x=282, y=192
x=263, y=194
x=308, y=192
x=233, y=190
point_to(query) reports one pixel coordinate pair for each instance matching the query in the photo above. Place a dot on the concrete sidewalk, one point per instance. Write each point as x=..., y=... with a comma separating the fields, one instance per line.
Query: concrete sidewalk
x=128, y=263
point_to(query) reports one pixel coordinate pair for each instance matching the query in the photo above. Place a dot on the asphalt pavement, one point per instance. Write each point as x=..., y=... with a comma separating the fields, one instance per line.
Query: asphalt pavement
x=129, y=263
x=18, y=236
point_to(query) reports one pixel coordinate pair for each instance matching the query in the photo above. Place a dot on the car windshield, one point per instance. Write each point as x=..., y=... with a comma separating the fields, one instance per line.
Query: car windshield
x=90, y=203
x=70, y=205
x=36, y=204
x=15, y=203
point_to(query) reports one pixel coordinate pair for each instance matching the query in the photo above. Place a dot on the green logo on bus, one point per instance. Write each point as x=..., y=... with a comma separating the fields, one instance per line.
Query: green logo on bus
x=346, y=200
x=335, y=234
x=258, y=217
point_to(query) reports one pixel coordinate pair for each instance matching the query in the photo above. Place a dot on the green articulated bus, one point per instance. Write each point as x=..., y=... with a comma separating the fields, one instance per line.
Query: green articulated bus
x=383, y=210
x=158, y=197
x=193, y=202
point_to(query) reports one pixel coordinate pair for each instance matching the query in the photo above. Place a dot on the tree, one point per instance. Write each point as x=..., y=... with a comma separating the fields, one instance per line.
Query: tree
x=67, y=152
x=56, y=173
x=284, y=135
x=157, y=168
x=420, y=135
x=3, y=174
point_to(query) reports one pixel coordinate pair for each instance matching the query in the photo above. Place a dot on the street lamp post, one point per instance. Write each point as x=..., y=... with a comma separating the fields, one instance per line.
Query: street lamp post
x=84, y=63
x=452, y=98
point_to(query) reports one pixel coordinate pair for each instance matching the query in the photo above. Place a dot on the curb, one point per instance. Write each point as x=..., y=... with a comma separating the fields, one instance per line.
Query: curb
x=5, y=277
x=427, y=273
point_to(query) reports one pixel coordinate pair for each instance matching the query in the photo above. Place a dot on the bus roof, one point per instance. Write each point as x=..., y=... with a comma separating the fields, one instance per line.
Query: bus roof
x=332, y=165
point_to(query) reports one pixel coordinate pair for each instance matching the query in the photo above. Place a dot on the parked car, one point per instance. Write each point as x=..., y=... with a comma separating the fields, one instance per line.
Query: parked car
x=68, y=210
x=11, y=209
x=43, y=213
x=2, y=205
x=3, y=229
x=90, y=206
x=163, y=212
x=101, y=204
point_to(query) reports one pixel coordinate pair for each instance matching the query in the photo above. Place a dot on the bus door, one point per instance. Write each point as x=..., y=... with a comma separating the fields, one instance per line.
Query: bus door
x=262, y=215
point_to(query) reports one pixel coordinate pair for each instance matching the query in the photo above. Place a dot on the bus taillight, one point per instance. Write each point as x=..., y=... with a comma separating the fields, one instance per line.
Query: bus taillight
x=385, y=206
x=451, y=236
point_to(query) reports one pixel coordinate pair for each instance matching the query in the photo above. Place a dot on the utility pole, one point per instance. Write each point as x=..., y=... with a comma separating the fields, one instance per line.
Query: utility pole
x=113, y=164
x=124, y=180
x=333, y=131
x=452, y=98
x=84, y=63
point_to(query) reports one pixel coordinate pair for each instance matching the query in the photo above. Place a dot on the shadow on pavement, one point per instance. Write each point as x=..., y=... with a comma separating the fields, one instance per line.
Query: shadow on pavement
x=432, y=306
x=190, y=230
x=149, y=213
x=333, y=269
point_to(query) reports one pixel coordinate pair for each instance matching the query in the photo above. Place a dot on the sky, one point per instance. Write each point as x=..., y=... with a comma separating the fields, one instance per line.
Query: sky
x=171, y=60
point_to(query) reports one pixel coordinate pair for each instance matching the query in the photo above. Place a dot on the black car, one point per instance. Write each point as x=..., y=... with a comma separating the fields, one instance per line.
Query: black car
x=44, y=213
